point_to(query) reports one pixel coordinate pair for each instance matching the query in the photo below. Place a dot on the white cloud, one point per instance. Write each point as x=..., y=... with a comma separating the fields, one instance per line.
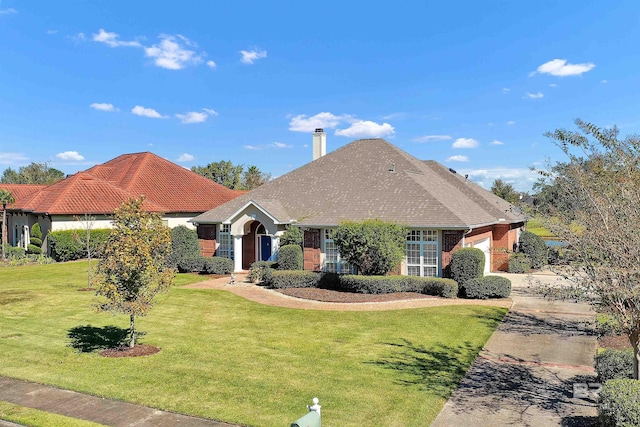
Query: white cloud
x=394, y=116
x=211, y=64
x=302, y=123
x=252, y=147
x=210, y=112
x=522, y=179
x=506, y=90
x=11, y=158
x=52, y=32
x=8, y=11
x=102, y=106
x=604, y=81
x=146, y=112
x=280, y=145
x=80, y=37
x=430, y=138
x=196, y=116
x=70, y=155
x=458, y=159
x=560, y=68
x=186, y=157
x=366, y=129
x=496, y=142
x=511, y=122
x=250, y=56
x=464, y=143
x=172, y=55
x=552, y=85
x=111, y=39
x=536, y=95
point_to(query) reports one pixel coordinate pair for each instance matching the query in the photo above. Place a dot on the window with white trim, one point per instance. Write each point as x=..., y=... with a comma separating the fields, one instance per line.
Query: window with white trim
x=225, y=249
x=333, y=263
x=422, y=253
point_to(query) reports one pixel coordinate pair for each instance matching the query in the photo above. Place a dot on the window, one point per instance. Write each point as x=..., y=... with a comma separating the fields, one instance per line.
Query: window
x=422, y=253
x=333, y=263
x=225, y=249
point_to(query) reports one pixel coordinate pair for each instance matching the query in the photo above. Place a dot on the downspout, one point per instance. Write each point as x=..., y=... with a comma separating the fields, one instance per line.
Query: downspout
x=464, y=234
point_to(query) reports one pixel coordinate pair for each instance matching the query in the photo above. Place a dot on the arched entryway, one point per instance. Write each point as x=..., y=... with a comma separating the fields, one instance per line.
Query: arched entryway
x=256, y=244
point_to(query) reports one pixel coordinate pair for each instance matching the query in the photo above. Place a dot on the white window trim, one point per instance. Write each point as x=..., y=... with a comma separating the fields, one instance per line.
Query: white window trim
x=422, y=244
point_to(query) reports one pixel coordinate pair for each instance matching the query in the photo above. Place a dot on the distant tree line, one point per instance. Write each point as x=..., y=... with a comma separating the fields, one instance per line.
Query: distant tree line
x=35, y=173
x=233, y=176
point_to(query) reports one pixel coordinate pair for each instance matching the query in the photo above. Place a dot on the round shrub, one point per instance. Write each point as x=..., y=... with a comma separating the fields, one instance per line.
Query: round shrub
x=283, y=279
x=620, y=403
x=184, y=244
x=36, y=231
x=35, y=241
x=33, y=249
x=217, y=265
x=519, y=263
x=290, y=257
x=192, y=264
x=467, y=264
x=486, y=287
x=258, y=270
x=612, y=363
x=533, y=245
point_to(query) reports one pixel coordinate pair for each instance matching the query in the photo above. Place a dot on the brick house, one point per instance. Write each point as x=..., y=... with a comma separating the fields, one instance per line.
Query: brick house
x=168, y=188
x=366, y=179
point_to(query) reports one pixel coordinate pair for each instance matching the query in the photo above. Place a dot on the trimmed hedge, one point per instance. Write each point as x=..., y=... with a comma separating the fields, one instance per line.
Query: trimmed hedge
x=290, y=257
x=191, y=264
x=33, y=249
x=620, y=403
x=446, y=288
x=282, y=279
x=614, y=364
x=519, y=263
x=14, y=252
x=534, y=246
x=66, y=245
x=217, y=265
x=467, y=264
x=184, y=244
x=258, y=270
x=486, y=287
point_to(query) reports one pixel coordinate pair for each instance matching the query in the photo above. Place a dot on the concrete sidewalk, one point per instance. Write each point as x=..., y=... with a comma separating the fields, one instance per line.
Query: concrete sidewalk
x=114, y=413
x=525, y=374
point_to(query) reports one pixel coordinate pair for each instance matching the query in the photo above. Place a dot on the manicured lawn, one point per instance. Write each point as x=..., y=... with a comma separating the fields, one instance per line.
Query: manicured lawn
x=33, y=417
x=535, y=226
x=230, y=359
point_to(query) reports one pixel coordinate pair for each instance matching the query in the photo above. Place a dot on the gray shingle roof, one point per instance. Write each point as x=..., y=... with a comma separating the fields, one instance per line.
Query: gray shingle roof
x=371, y=178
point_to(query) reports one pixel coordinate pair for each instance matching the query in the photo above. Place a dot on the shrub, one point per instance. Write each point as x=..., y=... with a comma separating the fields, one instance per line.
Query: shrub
x=519, y=263
x=446, y=288
x=258, y=269
x=191, y=264
x=293, y=236
x=35, y=241
x=30, y=260
x=290, y=257
x=36, y=231
x=217, y=265
x=14, y=252
x=33, y=249
x=613, y=364
x=620, y=403
x=184, y=244
x=533, y=245
x=65, y=245
x=467, y=264
x=329, y=281
x=283, y=279
x=486, y=287
x=607, y=325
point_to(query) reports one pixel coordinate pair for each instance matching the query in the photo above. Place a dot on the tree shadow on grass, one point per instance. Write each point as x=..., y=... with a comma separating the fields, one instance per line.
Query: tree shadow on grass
x=89, y=338
x=438, y=368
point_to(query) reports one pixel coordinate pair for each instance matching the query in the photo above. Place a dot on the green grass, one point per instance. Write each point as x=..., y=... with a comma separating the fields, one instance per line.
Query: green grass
x=35, y=418
x=230, y=359
x=535, y=226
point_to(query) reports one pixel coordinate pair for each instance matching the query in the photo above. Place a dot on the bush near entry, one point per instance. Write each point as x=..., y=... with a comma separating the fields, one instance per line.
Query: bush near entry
x=467, y=264
x=486, y=287
x=613, y=364
x=533, y=246
x=290, y=257
x=620, y=403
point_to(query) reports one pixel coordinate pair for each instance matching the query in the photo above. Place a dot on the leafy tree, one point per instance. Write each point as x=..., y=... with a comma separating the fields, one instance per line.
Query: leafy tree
x=223, y=172
x=6, y=198
x=253, y=178
x=374, y=246
x=132, y=270
x=35, y=173
x=292, y=236
x=598, y=190
x=505, y=191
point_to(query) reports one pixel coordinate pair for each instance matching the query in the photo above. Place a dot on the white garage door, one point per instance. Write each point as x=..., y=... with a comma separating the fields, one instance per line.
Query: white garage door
x=485, y=246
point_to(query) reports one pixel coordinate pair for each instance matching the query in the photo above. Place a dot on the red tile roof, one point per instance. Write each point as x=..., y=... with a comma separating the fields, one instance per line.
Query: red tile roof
x=21, y=190
x=167, y=187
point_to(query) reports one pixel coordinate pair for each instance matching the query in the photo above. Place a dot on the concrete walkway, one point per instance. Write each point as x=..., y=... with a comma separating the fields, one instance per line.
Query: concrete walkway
x=109, y=412
x=525, y=374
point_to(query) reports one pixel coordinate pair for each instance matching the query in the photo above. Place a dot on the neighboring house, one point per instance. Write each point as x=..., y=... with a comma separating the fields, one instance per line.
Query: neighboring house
x=366, y=179
x=168, y=188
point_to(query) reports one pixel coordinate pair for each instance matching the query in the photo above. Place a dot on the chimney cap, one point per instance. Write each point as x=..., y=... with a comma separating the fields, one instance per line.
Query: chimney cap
x=319, y=130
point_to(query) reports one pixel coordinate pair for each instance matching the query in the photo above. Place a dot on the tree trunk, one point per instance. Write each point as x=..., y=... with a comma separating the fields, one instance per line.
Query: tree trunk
x=635, y=342
x=132, y=331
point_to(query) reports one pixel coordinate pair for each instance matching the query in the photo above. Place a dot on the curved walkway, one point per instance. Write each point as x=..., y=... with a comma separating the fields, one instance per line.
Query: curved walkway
x=262, y=295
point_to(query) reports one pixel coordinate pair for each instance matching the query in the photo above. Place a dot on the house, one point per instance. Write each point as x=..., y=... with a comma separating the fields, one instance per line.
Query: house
x=366, y=179
x=96, y=192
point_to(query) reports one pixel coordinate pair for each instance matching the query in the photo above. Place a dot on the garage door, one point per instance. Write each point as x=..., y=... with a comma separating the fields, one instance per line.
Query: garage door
x=485, y=246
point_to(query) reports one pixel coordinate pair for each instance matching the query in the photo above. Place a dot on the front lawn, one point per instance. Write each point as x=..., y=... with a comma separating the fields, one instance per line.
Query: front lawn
x=230, y=359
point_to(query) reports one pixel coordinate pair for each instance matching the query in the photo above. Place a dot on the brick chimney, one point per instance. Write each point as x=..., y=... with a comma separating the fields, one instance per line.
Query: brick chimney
x=319, y=143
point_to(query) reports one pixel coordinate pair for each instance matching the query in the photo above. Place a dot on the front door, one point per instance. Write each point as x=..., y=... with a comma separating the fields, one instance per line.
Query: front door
x=265, y=248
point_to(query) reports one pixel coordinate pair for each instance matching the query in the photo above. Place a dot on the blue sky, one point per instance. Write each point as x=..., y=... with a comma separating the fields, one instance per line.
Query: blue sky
x=472, y=85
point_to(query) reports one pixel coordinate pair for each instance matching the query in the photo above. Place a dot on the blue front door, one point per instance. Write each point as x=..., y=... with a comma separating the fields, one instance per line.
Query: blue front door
x=265, y=248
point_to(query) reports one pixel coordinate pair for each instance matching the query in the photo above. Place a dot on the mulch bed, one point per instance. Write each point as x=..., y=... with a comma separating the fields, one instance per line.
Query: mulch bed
x=326, y=295
x=614, y=341
x=139, y=350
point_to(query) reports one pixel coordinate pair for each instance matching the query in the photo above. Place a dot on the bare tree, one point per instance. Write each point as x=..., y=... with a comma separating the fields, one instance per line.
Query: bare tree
x=599, y=190
x=83, y=235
